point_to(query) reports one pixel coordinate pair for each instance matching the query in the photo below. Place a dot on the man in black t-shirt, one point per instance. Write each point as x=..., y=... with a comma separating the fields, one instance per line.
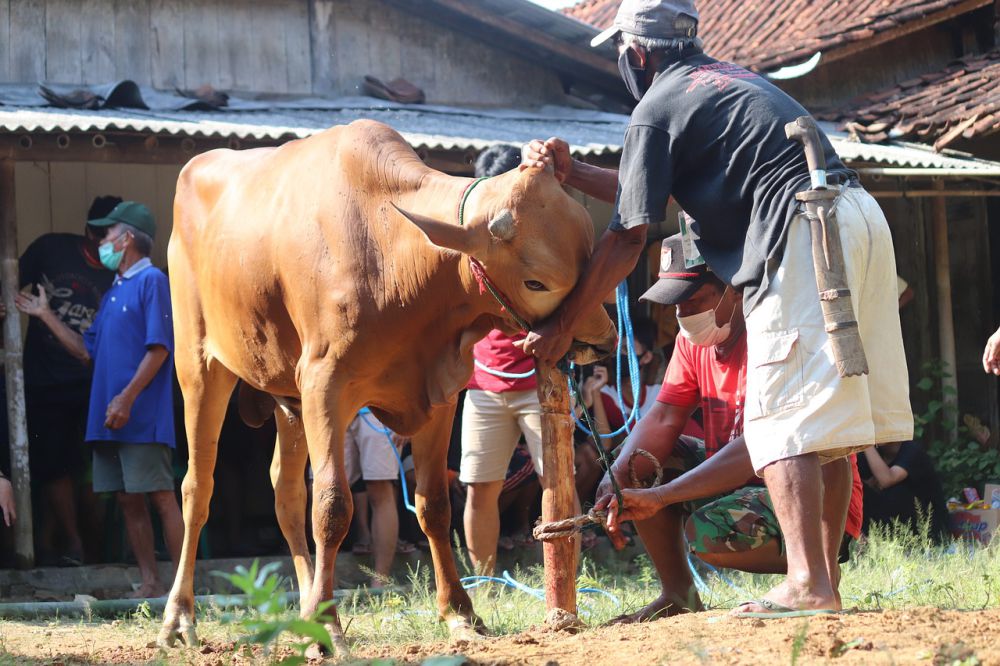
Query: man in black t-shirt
x=57, y=385
x=711, y=134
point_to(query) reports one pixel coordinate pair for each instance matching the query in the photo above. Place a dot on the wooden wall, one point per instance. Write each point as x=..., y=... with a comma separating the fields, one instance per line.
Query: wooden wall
x=302, y=47
x=55, y=196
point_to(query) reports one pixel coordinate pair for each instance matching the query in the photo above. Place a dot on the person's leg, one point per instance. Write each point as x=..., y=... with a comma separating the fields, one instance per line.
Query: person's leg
x=489, y=435
x=482, y=524
x=139, y=529
x=796, y=488
x=837, y=482
x=385, y=527
x=61, y=495
x=738, y=531
x=165, y=503
x=362, y=528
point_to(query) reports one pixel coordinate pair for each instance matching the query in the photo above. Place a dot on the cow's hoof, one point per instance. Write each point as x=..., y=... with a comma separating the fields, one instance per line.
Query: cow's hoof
x=177, y=626
x=340, y=649
x=467, y=628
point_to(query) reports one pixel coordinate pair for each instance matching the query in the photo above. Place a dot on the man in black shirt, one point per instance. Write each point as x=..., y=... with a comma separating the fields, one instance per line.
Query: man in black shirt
x=711, y=134
x=57, y=385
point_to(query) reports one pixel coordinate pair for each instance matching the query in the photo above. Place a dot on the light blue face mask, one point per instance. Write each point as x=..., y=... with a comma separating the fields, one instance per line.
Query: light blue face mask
x=109, y=257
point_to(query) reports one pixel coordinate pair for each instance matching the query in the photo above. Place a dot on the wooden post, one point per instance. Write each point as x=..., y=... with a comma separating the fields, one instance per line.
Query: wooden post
x=24, y=548
x=946, y=323
x=558, y=488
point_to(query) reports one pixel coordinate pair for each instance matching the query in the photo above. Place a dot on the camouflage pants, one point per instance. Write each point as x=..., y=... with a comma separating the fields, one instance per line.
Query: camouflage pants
x=738, y=521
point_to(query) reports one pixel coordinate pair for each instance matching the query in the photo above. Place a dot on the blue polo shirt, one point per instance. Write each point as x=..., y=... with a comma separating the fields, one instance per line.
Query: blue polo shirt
x=133, y=316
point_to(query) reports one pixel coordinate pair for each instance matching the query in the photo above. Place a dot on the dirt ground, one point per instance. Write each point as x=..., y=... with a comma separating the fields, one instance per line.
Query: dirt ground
x=923, y=635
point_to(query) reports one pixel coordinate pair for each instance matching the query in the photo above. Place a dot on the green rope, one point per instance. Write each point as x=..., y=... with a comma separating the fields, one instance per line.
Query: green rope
x=602, y=453
x=465, y=196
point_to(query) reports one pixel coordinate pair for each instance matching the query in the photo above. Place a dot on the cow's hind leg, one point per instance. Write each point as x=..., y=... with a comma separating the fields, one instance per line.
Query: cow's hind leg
x=288, y=478
x=326, y=413
x=207, y=387
x=430, y=453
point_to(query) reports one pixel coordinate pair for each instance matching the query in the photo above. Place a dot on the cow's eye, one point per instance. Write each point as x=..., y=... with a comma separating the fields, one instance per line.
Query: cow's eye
x=535, y=285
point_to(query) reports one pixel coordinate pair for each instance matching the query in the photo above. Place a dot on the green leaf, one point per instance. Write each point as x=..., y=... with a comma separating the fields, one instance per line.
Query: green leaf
x=925, y=384
x=313, y=630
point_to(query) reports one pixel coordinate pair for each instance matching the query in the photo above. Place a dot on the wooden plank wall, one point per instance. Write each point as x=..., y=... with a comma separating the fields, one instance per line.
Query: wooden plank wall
x=320, y=47
x=55, y=196
x=259, y=46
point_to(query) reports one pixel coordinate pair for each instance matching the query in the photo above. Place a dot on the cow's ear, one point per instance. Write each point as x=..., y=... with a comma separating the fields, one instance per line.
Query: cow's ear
x=443, y=234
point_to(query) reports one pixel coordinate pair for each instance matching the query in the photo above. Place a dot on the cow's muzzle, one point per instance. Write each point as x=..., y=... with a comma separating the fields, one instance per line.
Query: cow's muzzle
x=585, y=353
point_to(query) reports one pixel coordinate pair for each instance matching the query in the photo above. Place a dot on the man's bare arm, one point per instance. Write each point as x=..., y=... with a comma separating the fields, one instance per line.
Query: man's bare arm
x=38, y=306
x=592, y=180
x=728, y=469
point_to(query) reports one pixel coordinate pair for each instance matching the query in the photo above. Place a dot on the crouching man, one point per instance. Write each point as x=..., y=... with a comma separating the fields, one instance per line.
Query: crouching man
x=713, y=503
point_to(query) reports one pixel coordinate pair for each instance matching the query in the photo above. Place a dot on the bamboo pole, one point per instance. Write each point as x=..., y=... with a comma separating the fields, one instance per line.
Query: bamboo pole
x=558, y=490
x=24, y=548
x=946, y=323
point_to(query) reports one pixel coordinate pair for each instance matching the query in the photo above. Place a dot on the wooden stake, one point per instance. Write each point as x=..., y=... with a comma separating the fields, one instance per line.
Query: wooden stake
x=946, y=322
x=558, y=488
x=24, y=548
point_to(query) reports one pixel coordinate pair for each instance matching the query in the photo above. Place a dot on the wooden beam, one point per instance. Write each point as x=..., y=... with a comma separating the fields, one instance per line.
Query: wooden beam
x=558, y=488
x=922, y=194
x=946, y=323
x=905, y=29
x=20, y=472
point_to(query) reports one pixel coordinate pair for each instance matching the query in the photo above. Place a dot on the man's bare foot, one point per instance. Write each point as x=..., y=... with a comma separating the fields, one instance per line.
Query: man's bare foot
x=792, y=596
x=148, y=591
x=663, y=606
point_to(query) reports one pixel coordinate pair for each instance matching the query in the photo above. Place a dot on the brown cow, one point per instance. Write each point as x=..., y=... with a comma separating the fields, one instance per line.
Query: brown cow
x=297, y=270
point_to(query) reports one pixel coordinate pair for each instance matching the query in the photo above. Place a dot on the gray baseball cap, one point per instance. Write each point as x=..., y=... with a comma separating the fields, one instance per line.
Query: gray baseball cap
x=659, y=19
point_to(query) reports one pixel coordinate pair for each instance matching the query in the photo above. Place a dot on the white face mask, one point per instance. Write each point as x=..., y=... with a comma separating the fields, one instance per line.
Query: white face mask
x=700, y=329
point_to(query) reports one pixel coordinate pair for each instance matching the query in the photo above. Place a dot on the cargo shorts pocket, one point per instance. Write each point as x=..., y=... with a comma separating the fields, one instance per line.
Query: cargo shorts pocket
x=774, y=373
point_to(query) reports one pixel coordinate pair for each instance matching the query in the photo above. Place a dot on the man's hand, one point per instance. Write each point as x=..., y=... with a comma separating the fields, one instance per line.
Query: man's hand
x=639, y=504
x=34, y=306
x=7, y=502
x=553, y=153
x=592, y=386
x=991, y=355
x=118, y=412
x=605, y=493
x=548, y=343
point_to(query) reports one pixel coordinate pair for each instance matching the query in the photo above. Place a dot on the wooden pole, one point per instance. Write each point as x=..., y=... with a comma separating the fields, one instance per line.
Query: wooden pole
x=946, y=323
x=24, y=548
x=558, y=489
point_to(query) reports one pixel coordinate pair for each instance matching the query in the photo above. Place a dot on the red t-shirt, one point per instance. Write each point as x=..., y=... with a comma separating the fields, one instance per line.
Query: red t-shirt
x=696, y=376
x=497, y=352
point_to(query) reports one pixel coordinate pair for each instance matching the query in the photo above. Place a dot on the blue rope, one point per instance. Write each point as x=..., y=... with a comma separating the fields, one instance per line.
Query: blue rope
x=626, y=340
x=470, y=582
x=399, y=461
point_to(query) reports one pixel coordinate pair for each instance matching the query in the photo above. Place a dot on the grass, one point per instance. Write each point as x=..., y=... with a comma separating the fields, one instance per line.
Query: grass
x=891, y=570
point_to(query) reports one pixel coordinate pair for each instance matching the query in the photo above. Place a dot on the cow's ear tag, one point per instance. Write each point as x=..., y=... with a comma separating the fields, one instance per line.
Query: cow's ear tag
x=442, y=234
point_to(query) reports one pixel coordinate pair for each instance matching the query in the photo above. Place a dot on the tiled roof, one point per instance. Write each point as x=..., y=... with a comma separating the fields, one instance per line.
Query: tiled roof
x=961, y=101
x=767, y=34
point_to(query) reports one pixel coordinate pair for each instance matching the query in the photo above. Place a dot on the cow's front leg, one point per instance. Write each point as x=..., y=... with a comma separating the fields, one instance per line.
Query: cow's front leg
x=325, y=415
x=288, y=478
x=430, y=453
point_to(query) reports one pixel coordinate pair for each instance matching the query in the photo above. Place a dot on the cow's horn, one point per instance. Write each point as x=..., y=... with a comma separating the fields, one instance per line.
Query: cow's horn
x=502, y=225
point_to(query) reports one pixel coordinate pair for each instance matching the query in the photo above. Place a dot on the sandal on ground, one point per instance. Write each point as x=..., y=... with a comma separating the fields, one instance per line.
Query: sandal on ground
x=361, y=549
x=405, y=547
x=775, y=610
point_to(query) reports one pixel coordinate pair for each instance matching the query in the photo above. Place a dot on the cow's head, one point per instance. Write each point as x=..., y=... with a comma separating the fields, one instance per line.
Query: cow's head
x=533, y=240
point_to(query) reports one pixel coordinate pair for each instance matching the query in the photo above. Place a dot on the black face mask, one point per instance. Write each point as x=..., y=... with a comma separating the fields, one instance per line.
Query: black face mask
x=634, y=77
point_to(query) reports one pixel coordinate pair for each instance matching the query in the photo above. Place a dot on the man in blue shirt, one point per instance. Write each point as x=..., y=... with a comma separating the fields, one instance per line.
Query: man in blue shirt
x=130, y=419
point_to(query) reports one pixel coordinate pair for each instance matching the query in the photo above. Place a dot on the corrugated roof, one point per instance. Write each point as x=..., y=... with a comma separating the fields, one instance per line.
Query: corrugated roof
x=590, y=133
x=446, y=128
x=767, y=34
x=960, y=102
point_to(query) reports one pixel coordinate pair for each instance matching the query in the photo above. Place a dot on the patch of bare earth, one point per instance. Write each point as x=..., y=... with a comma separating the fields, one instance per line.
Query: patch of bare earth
x=921, y=635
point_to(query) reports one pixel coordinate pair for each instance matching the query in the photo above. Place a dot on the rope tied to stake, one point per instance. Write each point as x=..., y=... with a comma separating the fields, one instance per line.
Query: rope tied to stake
x=561, y=529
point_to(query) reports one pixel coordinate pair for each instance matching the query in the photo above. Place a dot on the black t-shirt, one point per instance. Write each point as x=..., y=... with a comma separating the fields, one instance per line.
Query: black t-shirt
x=712, y=134
x=75, y=288
x=921, y=484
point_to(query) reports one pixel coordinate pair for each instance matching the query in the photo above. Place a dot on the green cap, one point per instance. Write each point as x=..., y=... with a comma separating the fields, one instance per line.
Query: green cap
x=131, y=213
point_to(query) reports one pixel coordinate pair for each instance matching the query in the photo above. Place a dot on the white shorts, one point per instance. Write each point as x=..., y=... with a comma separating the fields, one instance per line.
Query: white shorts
x=368, y=452
x=796, y=402
x=492, y=424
